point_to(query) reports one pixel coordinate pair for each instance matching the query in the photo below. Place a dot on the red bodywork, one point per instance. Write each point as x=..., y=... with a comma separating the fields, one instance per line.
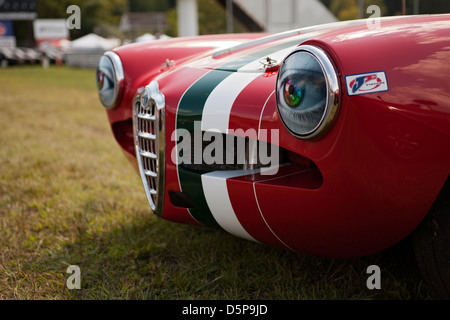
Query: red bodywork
x=379, y=168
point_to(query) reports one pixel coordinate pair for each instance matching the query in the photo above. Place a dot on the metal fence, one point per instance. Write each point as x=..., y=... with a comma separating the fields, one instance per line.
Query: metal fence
x=83, y=59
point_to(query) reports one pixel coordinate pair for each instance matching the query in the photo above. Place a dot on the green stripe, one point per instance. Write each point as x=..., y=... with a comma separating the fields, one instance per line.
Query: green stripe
x=191, y=183
x=190, y=109
x=193, y=101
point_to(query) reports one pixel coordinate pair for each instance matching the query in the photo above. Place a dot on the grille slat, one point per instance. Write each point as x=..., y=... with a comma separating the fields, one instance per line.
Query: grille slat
x=145, y=116
x=148, y=154
x=146, y=135
x=150, y=173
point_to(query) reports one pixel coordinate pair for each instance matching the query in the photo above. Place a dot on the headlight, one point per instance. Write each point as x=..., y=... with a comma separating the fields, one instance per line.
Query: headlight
x=110, y=79
x=307, y=92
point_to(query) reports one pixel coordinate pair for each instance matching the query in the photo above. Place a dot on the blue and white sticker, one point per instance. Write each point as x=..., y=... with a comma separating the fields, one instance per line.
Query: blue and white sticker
x=365, y=83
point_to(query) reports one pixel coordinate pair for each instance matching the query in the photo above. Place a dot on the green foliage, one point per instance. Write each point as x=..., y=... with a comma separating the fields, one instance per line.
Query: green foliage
x=211, y=19
x=326, y=2
x=344, y=9
x=103, y=16
x=349, y=9
x=150, y=5
x=94, y=13
x=53, y=9
x=428, y=6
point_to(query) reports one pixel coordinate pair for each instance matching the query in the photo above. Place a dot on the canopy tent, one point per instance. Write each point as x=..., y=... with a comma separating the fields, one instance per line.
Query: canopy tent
x=145, y=37
x=151, y=37
x=93, y=41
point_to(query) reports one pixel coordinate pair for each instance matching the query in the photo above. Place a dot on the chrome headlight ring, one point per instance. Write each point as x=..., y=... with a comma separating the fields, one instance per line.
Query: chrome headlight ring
x=307, y=92
x=110, y=80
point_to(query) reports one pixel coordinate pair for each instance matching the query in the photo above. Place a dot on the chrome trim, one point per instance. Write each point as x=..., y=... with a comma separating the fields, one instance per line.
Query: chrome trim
x=333, y=91
x=151, y=174
x=118, y=77
x=148, y=155
x=149, y=138
x=288, y=34
x=146, y=135
x=251, y=43
x=146, y=117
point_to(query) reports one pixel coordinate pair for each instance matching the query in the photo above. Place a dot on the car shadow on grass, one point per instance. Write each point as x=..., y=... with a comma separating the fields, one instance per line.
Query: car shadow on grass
x=150, y=258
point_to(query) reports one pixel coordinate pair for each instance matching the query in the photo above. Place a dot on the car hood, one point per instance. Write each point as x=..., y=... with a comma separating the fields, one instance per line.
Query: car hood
x=267, y=52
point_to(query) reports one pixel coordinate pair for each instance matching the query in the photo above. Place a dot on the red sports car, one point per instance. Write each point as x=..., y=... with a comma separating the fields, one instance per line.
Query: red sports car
x=331, y=140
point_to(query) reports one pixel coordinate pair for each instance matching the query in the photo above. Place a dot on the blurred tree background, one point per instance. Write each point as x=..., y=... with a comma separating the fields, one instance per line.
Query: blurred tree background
x=103, y=16
x=348, y=9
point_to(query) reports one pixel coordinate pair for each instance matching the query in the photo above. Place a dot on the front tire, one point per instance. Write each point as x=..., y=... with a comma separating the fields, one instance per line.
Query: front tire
x=431, y=243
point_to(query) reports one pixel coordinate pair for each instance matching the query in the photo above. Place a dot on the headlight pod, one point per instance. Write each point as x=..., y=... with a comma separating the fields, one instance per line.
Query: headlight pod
x=307, y=92
x=110, y=79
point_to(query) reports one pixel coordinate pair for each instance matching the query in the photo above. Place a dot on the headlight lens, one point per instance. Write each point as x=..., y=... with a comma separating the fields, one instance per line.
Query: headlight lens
x=307, y=92
x=110, y=79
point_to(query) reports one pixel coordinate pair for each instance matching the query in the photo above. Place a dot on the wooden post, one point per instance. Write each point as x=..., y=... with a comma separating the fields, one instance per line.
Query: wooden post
x=416, y=6
x=360, y=9
x=229, y=16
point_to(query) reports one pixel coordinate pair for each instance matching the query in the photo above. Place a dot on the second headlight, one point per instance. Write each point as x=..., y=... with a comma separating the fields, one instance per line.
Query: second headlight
x=110, y=79
x=307, y=92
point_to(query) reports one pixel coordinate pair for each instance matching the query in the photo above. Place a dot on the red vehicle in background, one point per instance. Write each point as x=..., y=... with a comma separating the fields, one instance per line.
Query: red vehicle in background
x=331, y=140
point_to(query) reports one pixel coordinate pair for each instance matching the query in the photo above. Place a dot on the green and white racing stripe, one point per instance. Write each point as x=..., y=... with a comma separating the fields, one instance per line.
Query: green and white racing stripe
x=217, y=108
x=216, y=193
x=190, y=110
x=209, y=100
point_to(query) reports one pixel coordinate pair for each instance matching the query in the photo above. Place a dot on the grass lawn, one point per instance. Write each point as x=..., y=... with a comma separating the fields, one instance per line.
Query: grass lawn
x=68, y=197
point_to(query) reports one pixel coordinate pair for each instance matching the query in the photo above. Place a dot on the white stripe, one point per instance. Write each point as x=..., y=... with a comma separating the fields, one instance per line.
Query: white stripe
x=219, y=203
x=216, y=112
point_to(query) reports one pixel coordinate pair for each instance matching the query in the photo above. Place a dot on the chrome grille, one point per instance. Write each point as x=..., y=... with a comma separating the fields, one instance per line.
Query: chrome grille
x=149, y=140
